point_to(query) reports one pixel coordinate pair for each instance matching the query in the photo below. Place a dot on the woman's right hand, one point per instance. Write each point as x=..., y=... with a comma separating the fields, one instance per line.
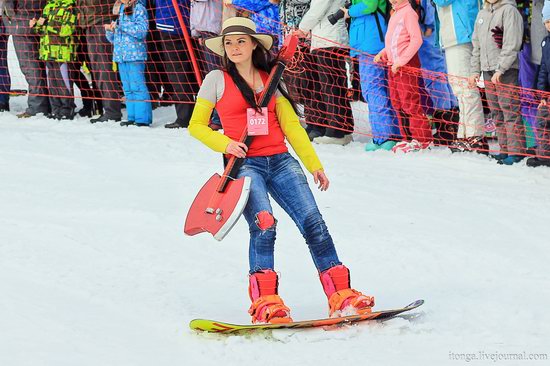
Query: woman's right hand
x=237, y=149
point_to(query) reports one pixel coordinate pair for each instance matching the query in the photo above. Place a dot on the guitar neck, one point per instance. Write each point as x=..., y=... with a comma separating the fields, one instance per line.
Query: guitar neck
x=234, y=164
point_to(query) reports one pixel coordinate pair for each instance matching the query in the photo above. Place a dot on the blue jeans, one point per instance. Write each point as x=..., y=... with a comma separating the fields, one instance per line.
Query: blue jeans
x=282, y=177
x=132, y=75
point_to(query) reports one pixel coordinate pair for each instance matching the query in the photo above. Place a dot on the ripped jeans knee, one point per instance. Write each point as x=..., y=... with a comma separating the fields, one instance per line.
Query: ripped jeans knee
x=265, y=221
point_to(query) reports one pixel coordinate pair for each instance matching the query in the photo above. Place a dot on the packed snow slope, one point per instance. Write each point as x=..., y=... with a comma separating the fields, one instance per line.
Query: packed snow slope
x=95, y=269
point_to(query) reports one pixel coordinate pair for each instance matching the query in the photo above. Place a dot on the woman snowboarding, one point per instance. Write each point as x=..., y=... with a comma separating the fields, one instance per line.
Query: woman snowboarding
x=234, y=92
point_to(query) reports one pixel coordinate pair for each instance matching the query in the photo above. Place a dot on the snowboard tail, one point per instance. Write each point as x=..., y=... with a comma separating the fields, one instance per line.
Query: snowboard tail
x=213, y=326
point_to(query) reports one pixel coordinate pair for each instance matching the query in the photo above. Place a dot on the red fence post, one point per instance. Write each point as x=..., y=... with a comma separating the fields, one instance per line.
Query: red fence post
x=187, y=38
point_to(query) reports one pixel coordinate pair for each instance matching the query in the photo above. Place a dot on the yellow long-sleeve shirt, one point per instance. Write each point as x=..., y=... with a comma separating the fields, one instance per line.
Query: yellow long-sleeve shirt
x=287, y=118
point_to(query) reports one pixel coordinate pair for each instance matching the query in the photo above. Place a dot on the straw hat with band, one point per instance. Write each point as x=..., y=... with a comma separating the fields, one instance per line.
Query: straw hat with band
x=234, y=26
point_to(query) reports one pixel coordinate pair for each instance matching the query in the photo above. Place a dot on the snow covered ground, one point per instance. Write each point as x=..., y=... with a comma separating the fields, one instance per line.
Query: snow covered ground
x=95, y=269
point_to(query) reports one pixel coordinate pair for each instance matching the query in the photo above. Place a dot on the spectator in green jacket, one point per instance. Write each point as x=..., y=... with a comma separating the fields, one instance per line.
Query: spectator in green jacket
x=56, y=27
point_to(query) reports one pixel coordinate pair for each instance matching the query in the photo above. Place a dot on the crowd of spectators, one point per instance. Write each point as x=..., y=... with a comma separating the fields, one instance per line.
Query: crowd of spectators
x=481, y=64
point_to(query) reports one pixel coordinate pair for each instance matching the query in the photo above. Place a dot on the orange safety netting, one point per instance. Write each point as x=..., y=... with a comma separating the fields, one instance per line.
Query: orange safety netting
x=340, y=91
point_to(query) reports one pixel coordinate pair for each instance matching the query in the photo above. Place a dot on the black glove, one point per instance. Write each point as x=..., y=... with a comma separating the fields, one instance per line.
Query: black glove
x=498, y=33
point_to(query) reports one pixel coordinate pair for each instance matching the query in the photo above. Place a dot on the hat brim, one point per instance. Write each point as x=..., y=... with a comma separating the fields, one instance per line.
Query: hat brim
x=215, y=44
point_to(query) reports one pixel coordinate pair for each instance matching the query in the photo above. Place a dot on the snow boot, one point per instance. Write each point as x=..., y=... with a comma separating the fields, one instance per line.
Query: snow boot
x=499, y=157
x=267, y=306
x=511, y=160
x=412, y=146
x=470, y=144
x=314, y=131
x=371, y=146
x=536, y=162
x=386, y=145
x=446, y=125
x=343, y=300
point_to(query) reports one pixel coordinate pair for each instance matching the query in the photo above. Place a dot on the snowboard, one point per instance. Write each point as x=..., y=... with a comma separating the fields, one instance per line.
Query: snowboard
x=213, y=326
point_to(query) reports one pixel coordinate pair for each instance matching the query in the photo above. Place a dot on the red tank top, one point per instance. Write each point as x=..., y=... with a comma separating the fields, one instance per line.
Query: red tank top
x=232, y=110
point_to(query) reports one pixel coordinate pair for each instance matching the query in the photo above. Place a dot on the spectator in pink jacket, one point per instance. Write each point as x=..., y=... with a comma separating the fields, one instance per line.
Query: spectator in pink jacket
x=402, y=42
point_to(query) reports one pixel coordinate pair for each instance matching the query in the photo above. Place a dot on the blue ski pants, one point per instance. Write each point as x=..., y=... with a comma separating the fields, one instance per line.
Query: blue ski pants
x=374, y=87
x=132, y=75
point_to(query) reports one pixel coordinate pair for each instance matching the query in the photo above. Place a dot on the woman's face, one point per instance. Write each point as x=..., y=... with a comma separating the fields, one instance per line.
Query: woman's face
x=238, y=48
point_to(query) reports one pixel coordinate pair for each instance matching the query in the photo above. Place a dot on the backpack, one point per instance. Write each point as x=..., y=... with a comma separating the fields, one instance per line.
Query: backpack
x=419, y=9
x=525, y=8
x=385, y=17
x=416, y=5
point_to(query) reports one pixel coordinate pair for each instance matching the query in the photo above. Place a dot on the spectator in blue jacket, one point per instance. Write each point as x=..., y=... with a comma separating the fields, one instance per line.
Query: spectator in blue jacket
x=128, y=35
x=432, y=59
x=438, y=98
x=367, y=32
x=264, y=13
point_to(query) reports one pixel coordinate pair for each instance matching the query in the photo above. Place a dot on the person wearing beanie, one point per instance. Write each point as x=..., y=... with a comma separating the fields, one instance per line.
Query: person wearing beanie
x=543, y=84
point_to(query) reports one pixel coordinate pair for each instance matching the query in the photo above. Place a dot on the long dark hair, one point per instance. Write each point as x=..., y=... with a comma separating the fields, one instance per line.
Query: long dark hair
x=263, y=60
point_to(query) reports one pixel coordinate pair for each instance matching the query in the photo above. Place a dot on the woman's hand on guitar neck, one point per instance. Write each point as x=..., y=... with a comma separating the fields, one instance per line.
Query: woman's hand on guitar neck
x=237, y=149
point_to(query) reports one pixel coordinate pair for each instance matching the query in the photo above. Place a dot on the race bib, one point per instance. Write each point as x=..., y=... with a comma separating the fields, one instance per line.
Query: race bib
x=257, y=122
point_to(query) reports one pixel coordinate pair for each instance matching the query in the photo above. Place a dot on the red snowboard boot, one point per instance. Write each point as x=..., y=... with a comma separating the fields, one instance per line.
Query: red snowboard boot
x=267, y=306
x=343, y=300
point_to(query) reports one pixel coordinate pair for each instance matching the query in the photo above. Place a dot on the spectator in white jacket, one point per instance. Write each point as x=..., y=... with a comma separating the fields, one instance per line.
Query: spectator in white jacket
x=330, y=47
